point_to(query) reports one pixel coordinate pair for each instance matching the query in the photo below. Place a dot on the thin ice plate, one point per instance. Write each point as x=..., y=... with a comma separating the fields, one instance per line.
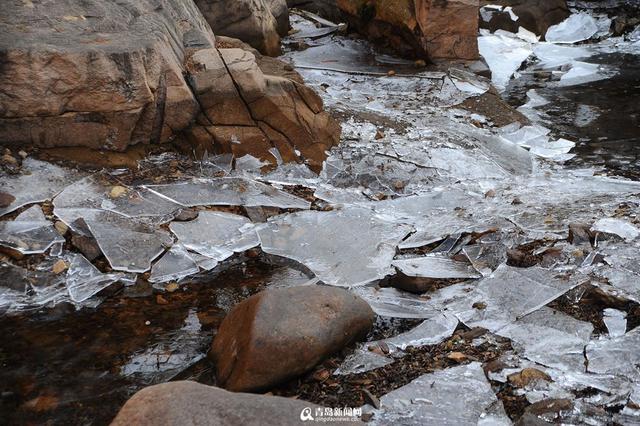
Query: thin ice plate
x=343, y=248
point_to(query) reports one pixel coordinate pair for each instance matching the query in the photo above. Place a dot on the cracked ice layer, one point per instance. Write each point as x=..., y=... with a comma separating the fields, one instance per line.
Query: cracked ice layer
x=233, y=191
x=583, y=72
x=457, y=396
x=575, y=28
x=509, y=294
x=85, y=280
x=391, y=302
x=431, y=331
x=217, y=235
x=617, y=355
x=43, y=182
x=343, y=248
x=127, y=244
x=174, y=265
x=436, y=267
x=504, y=54
x=90, y=193
x=29, y=233
x=619, y=227
x=550, y=338
x=174, y=353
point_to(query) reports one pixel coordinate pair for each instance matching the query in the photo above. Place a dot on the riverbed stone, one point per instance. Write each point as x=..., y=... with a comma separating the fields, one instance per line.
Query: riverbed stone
x=429, y=29
x=191, y=403
x=534, y=15
x=279, y=334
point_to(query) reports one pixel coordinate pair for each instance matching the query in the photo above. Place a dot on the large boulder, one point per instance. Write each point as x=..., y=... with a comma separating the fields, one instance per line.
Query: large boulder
x=279, y=334
x=432, y=29
x=534, y=15
x=280, y=11
x=190, y=403
x=109, y=75
x=251, y=21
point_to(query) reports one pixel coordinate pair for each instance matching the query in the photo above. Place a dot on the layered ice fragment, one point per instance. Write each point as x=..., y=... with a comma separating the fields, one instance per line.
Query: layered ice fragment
x=216, y=235
x=455, y=396
x=343, y=248
x=39, y=182
x=619, y=227
x=174, y=265
x=29, y=233
x=233, y=191
x=85, y=280
x=577, y=27
x=550, y=338
x=504, y=53
x=436, y=267
x=509, y=294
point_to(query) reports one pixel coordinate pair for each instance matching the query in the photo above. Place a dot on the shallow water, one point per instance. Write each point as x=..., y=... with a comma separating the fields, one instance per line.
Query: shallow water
x=603, y=117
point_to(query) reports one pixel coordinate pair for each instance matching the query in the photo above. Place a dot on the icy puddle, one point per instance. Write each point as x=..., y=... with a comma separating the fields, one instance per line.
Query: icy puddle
x=483, y=248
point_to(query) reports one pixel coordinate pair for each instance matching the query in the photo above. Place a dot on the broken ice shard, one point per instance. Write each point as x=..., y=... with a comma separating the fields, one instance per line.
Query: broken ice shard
x=343, y=248
x=85, y=280
x=619, y=227
x=40, y=182
x=233, y=191
x=176, y=264
x=615, y=321
x=577, y=27
x=454, y=396
x=29, y=233
x=216, y=235
x=436, y=267
x=504, y=53
x=550, y=338
x=509, y=294
x=617, y=355
x=362, y=360
x=127, y=244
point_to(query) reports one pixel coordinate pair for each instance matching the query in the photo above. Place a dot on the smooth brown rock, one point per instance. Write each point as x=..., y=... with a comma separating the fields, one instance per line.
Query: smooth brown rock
x=279, y=334
x=114, y=76
x=523, y=378
x=251, y=21
x=432, y=29
x=190, y=403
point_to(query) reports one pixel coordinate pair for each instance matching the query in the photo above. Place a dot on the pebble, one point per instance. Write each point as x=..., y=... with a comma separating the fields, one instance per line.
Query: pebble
x=59, y=267
x=61, y=227
x=147, y=323
x=171, y=287
x=117, y=191
x=9, y=159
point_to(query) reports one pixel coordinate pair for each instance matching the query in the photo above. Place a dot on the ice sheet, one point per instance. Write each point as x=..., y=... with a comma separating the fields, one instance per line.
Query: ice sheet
x=504, y=53
x=455, y=396
x=39, y=182
x=228, y=192
x=577, y=27
x=128, y=245
x=176, y=264
x=550, y=338
x=618, y=227
x=391, y=302
x=217, y=235
x=615, y=321
x=344, y=248
x=29, y=233
x=85, y=280
x=437, y=267
x=509, y=294
x=616, y=355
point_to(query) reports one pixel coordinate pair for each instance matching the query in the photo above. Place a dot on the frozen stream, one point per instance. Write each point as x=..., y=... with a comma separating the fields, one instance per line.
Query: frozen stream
x=429, y=211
